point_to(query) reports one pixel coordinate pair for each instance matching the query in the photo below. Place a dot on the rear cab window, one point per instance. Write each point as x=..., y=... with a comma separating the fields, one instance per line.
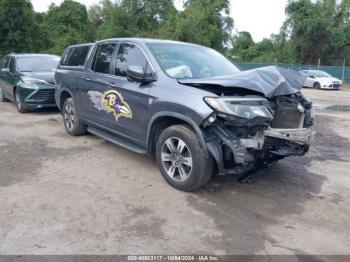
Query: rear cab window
x=75, y=56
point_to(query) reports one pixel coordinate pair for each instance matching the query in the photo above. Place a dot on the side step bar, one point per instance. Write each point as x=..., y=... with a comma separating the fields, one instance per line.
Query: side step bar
x=117, y=140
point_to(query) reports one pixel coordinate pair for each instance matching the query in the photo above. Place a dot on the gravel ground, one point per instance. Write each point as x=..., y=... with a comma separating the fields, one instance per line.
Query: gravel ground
x=67, y=195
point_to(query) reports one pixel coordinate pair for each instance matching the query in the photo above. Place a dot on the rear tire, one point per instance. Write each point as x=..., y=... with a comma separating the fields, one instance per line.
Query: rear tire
x=73, y=125
x=19, y=103
x=317, y=85
x=181, y=160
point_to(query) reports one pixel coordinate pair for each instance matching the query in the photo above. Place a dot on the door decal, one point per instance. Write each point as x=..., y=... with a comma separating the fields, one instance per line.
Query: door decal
x=110, y=101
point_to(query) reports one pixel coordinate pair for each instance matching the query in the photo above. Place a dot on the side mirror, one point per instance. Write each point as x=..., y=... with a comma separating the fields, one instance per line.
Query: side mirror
x=5, y=70
x=312, y=76
x=138, y=74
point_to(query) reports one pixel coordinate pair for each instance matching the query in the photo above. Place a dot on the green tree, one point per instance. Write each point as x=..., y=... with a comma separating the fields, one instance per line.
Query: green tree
x=110, y=20
x=314, y=29
x=67, y=24
x=242, y=43
x=205, y=22
x=18, y=27
x=318, y=29
x=149, y=16
x=128, y=18
x=310, y=29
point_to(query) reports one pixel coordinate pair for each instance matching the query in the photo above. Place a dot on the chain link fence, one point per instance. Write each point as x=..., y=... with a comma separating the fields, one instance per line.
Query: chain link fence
x=341, y=72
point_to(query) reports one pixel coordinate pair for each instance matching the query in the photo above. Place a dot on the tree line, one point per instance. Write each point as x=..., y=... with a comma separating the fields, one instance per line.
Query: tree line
x=313, y=29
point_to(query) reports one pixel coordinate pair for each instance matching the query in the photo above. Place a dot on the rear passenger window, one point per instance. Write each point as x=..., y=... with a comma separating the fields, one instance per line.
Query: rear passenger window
x=75, y=56
x=130, y=55
x=102, y=58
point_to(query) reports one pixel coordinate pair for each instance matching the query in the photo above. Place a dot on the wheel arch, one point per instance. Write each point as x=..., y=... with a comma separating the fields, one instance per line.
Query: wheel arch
x=316, y=83
x=14, y=88
x=162, y=120
x=62, y=96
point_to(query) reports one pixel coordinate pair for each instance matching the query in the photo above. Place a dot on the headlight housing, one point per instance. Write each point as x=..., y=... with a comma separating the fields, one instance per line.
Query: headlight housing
x=243, y=107
x=34, y=81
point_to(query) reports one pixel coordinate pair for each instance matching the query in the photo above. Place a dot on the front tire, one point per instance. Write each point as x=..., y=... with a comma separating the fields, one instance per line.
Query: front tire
x=19, y=103
x=73, y=125
x=181, y=160
x=317, y=85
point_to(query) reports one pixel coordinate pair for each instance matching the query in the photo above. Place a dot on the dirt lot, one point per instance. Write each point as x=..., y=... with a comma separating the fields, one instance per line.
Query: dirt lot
x=65, y=195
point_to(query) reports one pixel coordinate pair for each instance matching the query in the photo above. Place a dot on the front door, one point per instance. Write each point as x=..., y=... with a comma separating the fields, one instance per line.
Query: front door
x=132, y=97
x=310, y=80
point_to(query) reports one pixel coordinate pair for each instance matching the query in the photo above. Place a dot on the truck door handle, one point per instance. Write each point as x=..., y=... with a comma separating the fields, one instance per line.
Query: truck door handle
x=85, y=78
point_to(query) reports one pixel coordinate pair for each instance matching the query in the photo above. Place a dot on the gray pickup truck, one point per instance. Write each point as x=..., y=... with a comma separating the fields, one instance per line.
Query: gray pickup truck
x=185, y=105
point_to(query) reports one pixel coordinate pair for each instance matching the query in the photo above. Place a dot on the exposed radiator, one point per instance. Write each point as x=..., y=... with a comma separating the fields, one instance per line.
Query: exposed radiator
x=288, y=117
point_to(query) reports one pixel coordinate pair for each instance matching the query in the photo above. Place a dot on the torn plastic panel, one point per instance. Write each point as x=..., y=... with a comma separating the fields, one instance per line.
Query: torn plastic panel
x=240, y=145
x=267, y=81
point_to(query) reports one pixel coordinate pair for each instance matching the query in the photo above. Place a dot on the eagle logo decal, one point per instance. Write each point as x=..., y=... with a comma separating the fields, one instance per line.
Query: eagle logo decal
x=111, y=101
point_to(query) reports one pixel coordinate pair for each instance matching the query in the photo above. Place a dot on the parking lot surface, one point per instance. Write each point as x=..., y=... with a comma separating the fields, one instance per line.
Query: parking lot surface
x=82, y=195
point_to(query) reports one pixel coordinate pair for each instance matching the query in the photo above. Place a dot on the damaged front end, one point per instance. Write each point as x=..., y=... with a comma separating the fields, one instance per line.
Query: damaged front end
x=248, y=133
x=256, y=125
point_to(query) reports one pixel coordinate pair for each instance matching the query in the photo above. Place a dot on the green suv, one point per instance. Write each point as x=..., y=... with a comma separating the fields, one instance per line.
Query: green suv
x=28, y=80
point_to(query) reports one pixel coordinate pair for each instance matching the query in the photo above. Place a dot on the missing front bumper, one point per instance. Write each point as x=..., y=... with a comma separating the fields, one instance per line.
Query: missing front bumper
x=267, y=146
x=299, y=135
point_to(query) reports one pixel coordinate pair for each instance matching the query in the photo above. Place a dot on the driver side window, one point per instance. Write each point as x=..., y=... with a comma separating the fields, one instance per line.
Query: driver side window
x=130, y=55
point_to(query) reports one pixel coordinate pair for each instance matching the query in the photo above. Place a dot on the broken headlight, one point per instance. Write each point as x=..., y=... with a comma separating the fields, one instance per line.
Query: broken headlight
x=244, y=107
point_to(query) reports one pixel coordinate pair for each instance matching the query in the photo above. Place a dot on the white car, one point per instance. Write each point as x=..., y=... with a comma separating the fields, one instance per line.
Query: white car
x=321, y=80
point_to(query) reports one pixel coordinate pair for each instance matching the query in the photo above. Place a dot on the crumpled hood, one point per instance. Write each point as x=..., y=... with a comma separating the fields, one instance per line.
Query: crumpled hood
x=270, y=81
x=47, y=76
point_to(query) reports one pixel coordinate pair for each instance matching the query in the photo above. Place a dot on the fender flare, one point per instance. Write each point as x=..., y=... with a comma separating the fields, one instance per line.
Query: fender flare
x=58, y=95
x=186, y=119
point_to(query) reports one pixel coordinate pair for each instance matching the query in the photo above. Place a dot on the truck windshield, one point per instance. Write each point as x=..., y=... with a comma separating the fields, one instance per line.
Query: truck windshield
x=37, y=63
x=189, y=61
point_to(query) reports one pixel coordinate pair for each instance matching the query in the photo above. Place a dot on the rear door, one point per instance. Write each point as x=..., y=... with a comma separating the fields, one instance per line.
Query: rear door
x=71, y=70
x=97, y=79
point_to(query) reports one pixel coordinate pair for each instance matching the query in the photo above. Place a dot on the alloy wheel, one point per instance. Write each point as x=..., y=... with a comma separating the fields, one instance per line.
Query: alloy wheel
x=176, y=159
x=69, y=117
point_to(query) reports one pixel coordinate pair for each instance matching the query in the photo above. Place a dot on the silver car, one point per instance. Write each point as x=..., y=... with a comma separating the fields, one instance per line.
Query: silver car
x=321, y=80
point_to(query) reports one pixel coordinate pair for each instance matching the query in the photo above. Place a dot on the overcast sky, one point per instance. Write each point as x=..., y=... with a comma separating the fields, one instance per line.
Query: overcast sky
x=260, y=18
